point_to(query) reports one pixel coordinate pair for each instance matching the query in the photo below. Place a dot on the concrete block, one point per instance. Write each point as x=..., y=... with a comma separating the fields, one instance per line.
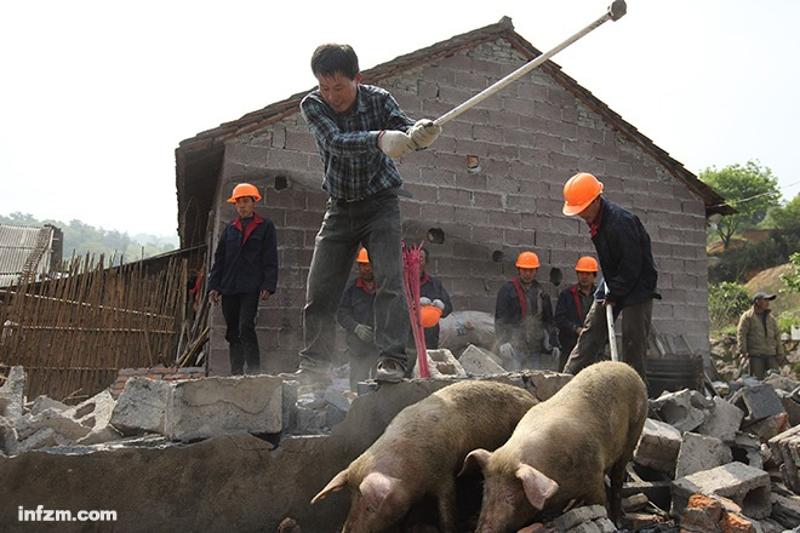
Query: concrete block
x=12, y=393
x=44, y=402
x=658, y=446
x=94, y=413
x=578, y=516
x=8, y=437
x=748, y=487
x=791, y=405
x=768, y=427
x=69, y=429
x=746, y=449
x=781, y=383
x=442, y=364
x=215, y=406
x=758, y=402
x=785, y=449
x=543, y=383
x=723, y=421
x=142, y=406
x=43, y=438
x=677, y=409
x=699, y=453
x=786, y=510
x=479, y=362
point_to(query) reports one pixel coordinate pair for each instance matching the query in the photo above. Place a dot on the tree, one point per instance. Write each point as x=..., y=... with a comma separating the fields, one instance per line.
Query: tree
x=750, y=189
x=792, y=278
x=784, y=216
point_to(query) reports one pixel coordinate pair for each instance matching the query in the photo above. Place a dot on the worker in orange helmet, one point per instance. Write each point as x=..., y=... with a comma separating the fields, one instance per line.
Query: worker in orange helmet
x=357, y=316
x=523, y=319
x=245, y=270
x=626, y=259
x=573, y=305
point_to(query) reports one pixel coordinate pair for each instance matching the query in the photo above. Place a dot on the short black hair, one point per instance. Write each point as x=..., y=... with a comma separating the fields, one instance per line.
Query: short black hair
x=328, y=59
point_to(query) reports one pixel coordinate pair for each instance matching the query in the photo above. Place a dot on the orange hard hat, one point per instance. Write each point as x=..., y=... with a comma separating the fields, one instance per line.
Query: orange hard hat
x=242, y=190
x=363, y=256
x=527, y=260
x=586, y=263
x=429, y=315
x=580, y=191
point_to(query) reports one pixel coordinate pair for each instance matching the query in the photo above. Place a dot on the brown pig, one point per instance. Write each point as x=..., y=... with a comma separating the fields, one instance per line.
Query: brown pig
x=422, y=450
x=562, y=448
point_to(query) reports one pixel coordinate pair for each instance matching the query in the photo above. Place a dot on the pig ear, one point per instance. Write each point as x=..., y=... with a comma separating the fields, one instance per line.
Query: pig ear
x=538, y=487
x=336, y=484
x=475, y=459
x=375, y=488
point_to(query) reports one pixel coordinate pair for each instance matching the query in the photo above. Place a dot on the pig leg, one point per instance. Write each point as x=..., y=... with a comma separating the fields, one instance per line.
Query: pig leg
x=616, y=477
x=446, y=500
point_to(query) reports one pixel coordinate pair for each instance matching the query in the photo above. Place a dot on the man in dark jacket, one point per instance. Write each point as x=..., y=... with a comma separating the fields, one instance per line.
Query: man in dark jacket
x=356, y=315
x=523, y=319
x=245, y=269
x=573, y=306
x=432, y=289
x=623, y=247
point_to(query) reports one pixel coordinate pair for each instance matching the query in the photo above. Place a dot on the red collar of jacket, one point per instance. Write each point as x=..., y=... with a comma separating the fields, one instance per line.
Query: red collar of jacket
x=361, y=284
x=594, y=225
x=251, y=227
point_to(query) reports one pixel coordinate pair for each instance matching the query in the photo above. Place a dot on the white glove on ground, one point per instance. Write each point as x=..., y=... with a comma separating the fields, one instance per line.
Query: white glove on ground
x=395, y=143
x=364, y=333
x=424, y=132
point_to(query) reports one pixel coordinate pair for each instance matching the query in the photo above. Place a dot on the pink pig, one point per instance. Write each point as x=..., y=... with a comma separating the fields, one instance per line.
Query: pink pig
x=421, y=451
x=562, y=448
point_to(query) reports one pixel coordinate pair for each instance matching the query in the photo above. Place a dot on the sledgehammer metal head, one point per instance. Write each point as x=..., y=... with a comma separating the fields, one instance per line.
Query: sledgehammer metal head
x=617, y=10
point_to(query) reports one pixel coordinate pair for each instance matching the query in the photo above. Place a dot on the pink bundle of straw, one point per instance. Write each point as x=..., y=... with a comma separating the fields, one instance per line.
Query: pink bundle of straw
x=411, y=262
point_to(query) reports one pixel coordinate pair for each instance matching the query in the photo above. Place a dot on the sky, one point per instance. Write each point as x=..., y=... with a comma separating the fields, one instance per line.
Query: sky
x=95, y=96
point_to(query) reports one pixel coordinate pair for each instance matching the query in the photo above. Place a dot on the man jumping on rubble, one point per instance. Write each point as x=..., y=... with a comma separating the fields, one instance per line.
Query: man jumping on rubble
x=623, y=247
x=245, y=269
x=523, y=319
x=358, y=130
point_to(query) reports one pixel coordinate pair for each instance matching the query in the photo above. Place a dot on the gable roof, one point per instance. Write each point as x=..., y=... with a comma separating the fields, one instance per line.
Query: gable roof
x=199, y=159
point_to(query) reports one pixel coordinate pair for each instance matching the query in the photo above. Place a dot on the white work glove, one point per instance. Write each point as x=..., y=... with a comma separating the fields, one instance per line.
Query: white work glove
x=438, y=303
x=364, y=333
x=424, y=132
x=395, y=143
x=424, y=301
x=506, y=351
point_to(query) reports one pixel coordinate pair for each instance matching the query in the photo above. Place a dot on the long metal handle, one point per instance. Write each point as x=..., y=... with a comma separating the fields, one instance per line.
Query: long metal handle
x=615, y=11
x=612, y=335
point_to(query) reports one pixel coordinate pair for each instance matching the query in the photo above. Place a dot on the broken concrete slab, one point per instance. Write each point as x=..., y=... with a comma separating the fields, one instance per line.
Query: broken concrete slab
x=699, y=452
x=141, y=407
x=442, y=364
x=748, y=487
x=786, y=510
x=792, y=406
x=658, y=446
x=94, y=413
x=679, y=409
x=758, y=402
x=210, y=407
x=544, y=382
x=578, y=516
x=722, y=421
x=480, y=362
x=746, y=449
x=768, y=427
x=785, y=449
x=43, y=402
x=8, y=437
x=781, y=383
x=66, y=427
x=12, y=393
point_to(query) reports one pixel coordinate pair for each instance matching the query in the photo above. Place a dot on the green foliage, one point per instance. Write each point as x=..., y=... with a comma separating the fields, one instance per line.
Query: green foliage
x=82, y=238
x=787, y=319
x=750, y=189
x=785, y=216
x=792, y=278
x=726, y=302
x=737, y=264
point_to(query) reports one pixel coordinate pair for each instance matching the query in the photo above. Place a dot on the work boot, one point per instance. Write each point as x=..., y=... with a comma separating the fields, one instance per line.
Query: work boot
x=390, y=371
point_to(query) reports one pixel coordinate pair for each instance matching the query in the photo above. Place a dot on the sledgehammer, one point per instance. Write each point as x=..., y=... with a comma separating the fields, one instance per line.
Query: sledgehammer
x=615, y=11
x=612, y=335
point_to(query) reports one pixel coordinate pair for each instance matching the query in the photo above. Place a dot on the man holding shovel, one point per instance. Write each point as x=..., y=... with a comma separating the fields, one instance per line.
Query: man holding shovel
x=359, y=129
x=623, y=247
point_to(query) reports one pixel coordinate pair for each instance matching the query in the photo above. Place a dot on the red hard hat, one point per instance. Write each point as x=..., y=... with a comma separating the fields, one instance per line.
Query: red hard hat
x=243, y=190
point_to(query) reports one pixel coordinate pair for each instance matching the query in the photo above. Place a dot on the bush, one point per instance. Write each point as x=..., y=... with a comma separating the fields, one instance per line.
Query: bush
x=792, y=278
x=726, y=302
x=787, y=319
x=739, y=264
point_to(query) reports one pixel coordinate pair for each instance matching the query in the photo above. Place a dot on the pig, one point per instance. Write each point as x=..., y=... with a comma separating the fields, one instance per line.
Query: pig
x=422, y=450
x=562, y=448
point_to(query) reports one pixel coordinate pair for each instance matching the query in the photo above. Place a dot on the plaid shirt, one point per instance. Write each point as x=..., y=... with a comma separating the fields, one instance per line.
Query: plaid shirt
x=355, y=168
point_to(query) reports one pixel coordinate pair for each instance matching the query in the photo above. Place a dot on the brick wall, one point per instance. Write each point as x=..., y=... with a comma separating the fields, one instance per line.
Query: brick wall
x=530, y=139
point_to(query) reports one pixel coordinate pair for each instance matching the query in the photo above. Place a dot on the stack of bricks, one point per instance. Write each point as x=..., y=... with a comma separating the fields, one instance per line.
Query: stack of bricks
x=156, y=372
x=785, y=449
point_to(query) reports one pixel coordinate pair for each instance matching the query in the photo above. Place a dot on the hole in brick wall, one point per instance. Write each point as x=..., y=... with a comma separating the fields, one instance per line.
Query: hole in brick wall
x=473, y=164
x=498, y=256
x=281, y=183
x=556, y=276
x=436, y=235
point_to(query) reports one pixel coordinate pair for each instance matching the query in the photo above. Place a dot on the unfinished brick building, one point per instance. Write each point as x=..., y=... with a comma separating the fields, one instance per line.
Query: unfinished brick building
x=528, y=140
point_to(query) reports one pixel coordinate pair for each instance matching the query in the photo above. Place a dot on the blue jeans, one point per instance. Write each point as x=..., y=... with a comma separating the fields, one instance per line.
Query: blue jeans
x=375, y=223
